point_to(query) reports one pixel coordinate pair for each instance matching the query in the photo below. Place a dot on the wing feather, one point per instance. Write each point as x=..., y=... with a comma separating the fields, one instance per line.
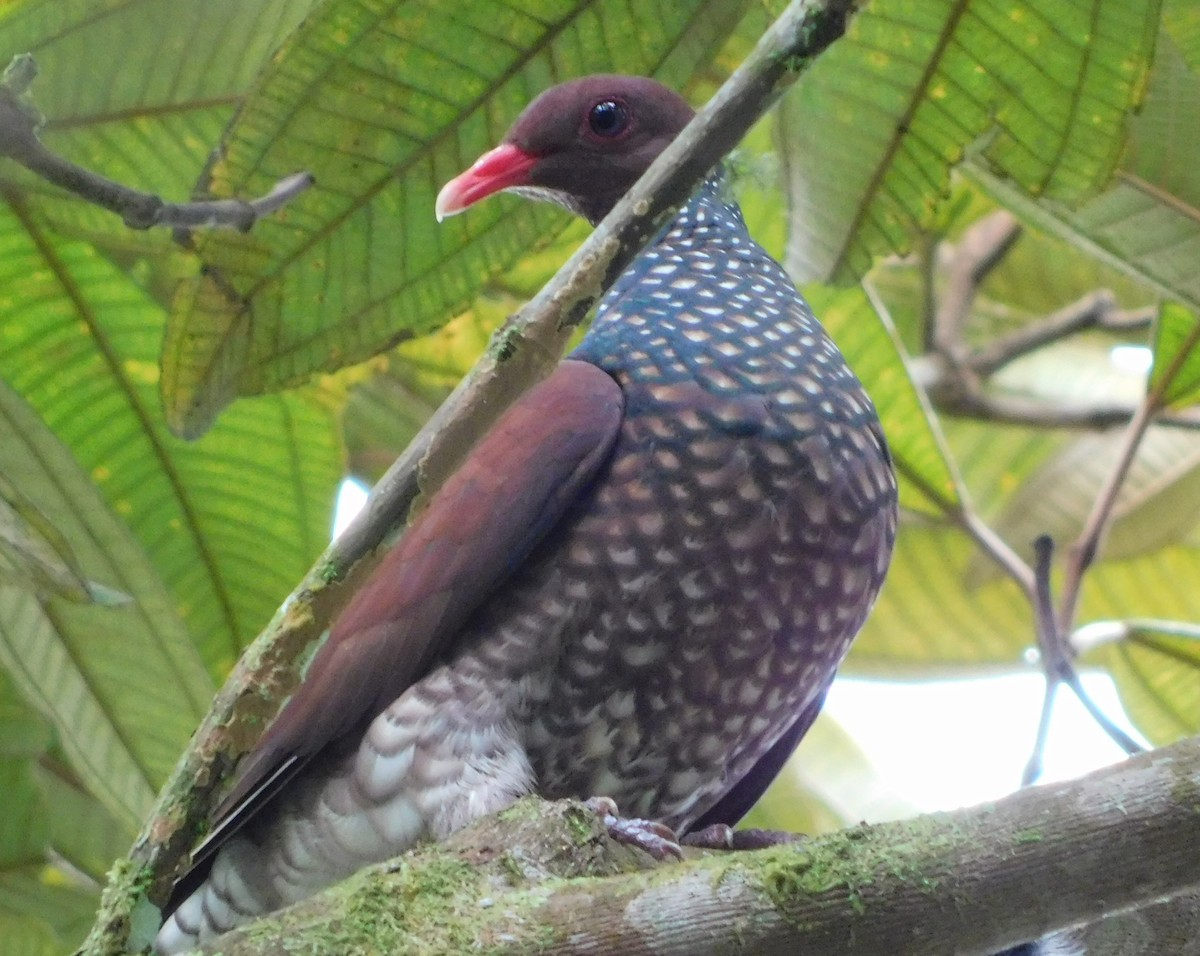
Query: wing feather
x=513, y=487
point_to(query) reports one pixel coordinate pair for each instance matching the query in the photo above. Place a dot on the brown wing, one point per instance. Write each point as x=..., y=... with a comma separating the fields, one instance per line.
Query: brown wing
x=513, y=487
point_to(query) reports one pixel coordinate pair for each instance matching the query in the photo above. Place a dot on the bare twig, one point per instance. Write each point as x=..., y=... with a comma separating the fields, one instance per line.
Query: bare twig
x=961, y=511
x=1096, y=310
x=1036, y=764
x=968, y=399
x=990, y=543
x=1085, y=548
x=1055, y=662
x=1054, y=658
x=1106, y=723
x=980, y=532
x=19, y=124
x=955, y=374
x=981, y=249
x=1058, y=665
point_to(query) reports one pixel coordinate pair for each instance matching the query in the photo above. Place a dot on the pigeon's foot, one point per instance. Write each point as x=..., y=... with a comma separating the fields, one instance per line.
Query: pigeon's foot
x=718, y=836
x=657, y=839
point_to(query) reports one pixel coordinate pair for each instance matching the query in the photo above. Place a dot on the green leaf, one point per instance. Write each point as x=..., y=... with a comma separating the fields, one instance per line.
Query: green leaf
x=1147, y=224
x=115, y=76
x=24, y=935
x=123, y=687
x=1158, y=504
x=827, y=784
x=1181, y=21
x=1158, y=678
x=34, y=555
x=23, y=734
x=1038, y=93
x=23, y=827
x=928, y=622
x=1175, y=377
x=37, y=903
x=873, y=351
x=81, y=831
x=386, y=411
x=1157, y=675
x=40, y=906
x=80, y=343
x=138, y=90
x=37, y=899
x=379, y=101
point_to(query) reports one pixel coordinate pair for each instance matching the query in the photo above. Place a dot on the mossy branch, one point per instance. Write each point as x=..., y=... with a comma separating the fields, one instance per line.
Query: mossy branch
x=532, y=343
x=535, y=879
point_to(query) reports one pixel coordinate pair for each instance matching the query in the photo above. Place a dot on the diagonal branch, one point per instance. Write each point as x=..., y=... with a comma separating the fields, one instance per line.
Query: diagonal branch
x=983, y=247
x=960, y=512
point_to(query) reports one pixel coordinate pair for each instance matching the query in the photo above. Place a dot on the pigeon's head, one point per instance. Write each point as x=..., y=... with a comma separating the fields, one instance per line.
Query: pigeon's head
x=581, y=145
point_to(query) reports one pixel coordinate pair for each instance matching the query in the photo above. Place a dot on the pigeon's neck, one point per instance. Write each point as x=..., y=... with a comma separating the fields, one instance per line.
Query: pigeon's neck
x=690, y=298
x=710, y=218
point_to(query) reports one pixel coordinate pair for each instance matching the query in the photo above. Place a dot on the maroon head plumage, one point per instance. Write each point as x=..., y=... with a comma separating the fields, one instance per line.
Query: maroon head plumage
x=638, y=585
x=580, y=145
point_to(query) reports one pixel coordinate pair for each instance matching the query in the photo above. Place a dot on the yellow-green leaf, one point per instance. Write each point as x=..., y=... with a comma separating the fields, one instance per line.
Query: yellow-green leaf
x=1175, y=377
x=384, y=102
x=873, y=351
x=123, y=687
x=1037, y=92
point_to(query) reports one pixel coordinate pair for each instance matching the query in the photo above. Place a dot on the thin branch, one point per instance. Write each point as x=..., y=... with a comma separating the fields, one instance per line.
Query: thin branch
x=1055, y=662
x=19, y=125
x=1106, y=723
x=1056, y=657
x=1059, y=668
x=524, y=351
x=1129, y=320
x=1085, y=548
x=1036, y=762
x=997, y=549
x=1098, y=633
x=980, y=532
x=982, y=247
x=955, y=374
x=949, y=373
x=959, y=511
x=967, y=399
x=1096, y=310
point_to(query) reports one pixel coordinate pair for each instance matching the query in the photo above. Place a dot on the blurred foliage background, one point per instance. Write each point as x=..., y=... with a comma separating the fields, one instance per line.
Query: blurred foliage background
x=985, y=200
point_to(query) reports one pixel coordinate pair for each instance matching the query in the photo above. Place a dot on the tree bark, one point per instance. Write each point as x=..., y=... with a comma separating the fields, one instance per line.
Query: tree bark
x=538, y=879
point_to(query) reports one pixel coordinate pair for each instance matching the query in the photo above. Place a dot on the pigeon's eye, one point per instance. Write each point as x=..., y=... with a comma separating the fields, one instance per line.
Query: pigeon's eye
x=608, y=118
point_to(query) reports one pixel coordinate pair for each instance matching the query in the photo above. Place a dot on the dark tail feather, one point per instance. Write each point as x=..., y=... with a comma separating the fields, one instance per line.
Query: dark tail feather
x=746, y=792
